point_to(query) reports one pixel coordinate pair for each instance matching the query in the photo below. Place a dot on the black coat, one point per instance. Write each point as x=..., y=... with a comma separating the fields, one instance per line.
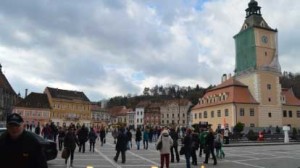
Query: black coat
x=138, y=136
x=122, y=142
x=83, y=134
x=174, y=136
x=129, y=135
x=210, y=140
x=25, y=152
x=187, y=142
x=70, y=141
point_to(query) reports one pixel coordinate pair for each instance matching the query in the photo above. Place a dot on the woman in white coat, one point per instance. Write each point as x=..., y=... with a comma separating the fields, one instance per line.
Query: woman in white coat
x=167, y=143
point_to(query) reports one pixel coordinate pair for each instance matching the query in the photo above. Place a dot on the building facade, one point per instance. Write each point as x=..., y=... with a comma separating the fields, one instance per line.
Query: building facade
x=68, y=107
x=175, y=112
x=152, y=115
x=140, y=113
x=34, y=109
x=8, y=97
x=253, y=96
x=99, y=116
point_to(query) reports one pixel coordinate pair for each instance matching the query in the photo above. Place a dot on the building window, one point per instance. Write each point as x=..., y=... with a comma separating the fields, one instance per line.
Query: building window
x=162, y=115
x=195, y=116
x=167, y=121
x=270, y=115
x=167, y=115
x=290, y=114
x=163, y=121
x=269, y=86
x=226, y=113
x=269, y=99
x=284, y=113
x=251, y=111
x=200, y=115
x=242, y=111
x=219, y=113
x=172, y=115
x=212, y=113
x=183, y=121
x=298, y=114
x=205, y=114
x=183, y=115
x=252, y=125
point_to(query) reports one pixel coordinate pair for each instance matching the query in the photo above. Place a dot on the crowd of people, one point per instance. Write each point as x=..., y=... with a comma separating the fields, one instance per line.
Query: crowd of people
x=167, y=140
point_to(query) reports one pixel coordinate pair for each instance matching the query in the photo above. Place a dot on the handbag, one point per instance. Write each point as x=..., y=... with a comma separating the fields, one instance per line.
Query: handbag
x=182, y=150
x=159, y=146
x=65, y=153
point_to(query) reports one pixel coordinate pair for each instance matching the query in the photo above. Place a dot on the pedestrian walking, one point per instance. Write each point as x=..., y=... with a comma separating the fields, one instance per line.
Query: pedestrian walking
x=195, y=146
x=92, y=138
x=129, y=137
x=167, y=143
x=18, y=147
x=82, y=137
x=138, y=137
x=61, y=137
x=218, y=145
x=146, y=138
x=202, y=140
x=121, y=145
x=174, y=148
x=209, y=145
x=70, y=142
x=187, y=144
x=226, y=135
x=37, y=129
x=114, y=134
x=102, y=135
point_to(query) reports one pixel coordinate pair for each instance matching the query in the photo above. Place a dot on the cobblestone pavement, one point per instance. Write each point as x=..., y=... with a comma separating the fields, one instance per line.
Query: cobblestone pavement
x=277, y=156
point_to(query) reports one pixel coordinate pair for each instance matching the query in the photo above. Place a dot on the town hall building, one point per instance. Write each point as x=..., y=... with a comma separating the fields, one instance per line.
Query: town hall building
x=253, y=95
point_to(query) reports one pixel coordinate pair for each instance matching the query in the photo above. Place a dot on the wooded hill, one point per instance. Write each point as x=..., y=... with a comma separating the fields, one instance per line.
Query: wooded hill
x=160, y=93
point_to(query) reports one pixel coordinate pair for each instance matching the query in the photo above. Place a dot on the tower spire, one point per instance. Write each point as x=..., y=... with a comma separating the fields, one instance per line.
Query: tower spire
x=253, y=9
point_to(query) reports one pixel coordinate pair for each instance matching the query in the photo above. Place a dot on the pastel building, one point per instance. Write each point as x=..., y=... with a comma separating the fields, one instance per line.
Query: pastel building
x=253, y=96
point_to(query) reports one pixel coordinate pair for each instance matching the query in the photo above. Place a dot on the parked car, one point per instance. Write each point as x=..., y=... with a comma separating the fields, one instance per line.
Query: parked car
x=49, y=147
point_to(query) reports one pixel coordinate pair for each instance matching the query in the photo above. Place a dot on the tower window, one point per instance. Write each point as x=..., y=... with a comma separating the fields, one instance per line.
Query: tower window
x=242, y=112
x=284, y=113
x=269, y=99
x=270, y=115
x=269, y=86
x=252, y=112
x=226, y=112
x=290, y=114
x=266, y=53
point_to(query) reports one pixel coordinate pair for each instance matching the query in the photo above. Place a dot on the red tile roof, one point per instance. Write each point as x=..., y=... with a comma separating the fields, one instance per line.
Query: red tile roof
x=67, y=94
x=235, y=91
x=35, y=100
x=290, y=97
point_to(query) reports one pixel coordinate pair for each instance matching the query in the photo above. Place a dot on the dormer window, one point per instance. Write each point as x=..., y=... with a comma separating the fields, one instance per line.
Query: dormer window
x=262, y=24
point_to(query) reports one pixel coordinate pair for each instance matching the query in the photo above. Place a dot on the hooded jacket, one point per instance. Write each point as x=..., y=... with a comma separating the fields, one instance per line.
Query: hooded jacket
x=167, y=142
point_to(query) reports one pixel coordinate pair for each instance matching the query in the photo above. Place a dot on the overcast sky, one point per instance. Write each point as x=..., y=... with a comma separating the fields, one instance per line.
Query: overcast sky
x=107, y=48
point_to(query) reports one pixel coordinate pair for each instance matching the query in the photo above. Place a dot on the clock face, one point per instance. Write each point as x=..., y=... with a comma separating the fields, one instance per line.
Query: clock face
x=264, y=39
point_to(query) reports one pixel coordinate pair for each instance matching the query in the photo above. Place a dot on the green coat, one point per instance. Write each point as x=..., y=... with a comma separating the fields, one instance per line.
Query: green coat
x=202, y=137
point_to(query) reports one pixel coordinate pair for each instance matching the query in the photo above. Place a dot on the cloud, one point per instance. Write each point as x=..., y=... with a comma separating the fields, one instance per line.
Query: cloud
x=109, y=48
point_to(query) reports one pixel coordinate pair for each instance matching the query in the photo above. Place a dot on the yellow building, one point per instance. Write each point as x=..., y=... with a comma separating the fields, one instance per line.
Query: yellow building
x=68, y=107
x=254, y=95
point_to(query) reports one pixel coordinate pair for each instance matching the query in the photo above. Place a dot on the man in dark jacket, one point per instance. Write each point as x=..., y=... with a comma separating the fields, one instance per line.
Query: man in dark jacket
x=19, y=148
x=121, y=145
x=174, y=136
x=210, y=147
x=82, y=137
x=70, y=142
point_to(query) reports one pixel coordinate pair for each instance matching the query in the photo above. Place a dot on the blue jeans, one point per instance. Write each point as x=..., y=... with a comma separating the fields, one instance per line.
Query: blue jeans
x=138, y=145
x=187, y=159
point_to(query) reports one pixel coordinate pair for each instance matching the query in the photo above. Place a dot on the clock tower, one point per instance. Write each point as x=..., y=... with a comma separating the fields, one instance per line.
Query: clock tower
x=257, y=64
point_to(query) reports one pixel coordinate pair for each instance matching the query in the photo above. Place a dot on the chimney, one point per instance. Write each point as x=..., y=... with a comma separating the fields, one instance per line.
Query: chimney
x=26, y=90
x=224, y=78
